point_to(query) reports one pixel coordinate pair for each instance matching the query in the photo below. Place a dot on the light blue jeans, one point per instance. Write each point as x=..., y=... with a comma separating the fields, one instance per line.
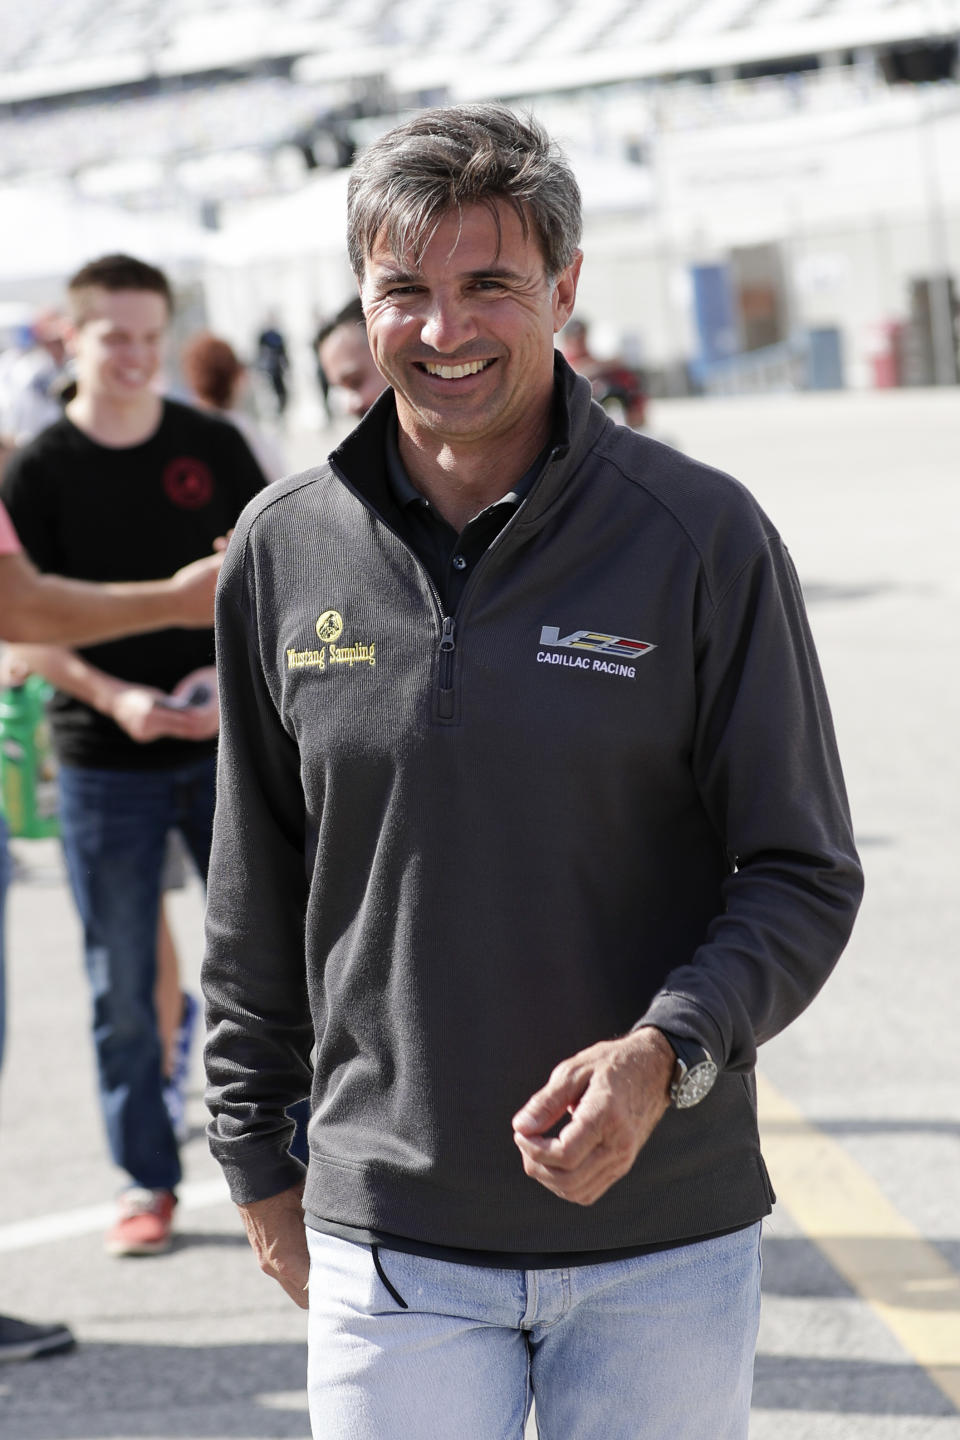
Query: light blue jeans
x=659, y=1347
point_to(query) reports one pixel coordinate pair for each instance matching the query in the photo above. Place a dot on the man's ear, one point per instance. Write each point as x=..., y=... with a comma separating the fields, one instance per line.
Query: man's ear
x=70, y=333
x=565, y=292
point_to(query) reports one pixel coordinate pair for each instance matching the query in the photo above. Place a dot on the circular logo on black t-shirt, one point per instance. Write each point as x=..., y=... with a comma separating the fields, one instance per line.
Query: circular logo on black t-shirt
x=188, y=483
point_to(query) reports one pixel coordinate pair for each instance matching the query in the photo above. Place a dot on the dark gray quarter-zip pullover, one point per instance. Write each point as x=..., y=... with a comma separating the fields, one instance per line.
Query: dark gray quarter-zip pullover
x=455, y=850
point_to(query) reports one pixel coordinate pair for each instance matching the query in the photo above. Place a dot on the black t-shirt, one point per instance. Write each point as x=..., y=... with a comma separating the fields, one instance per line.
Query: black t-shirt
x=94, y=512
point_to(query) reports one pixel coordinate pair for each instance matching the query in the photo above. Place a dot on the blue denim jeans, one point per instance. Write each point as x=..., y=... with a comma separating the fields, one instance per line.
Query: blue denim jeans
x=114, y=825
x=659, y=1347
x=5, y=868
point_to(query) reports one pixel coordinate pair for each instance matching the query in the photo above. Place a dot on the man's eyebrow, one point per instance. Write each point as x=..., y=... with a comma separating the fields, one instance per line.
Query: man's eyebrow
x=394, y=275
x=494, y=272
x=389, y=275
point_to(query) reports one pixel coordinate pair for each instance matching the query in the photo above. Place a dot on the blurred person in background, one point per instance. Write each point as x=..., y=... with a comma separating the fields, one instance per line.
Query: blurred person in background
x=615, y=386
x=127, y=484
x=47, y=607
x=30, y=381
x=343, y=354
x=273, y=361
x=218, y=381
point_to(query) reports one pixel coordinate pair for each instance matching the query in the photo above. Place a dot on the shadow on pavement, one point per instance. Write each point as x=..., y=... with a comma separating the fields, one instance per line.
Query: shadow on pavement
x=104, y=1392
x=255, y=1392
x=851, y=1387
x=795, y=1267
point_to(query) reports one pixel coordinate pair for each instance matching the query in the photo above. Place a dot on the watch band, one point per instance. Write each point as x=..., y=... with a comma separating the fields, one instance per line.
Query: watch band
x=695, y=1072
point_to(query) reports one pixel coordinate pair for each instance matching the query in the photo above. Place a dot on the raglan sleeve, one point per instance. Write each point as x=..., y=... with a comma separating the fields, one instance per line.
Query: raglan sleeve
x=767, y=769
x=259, y=1032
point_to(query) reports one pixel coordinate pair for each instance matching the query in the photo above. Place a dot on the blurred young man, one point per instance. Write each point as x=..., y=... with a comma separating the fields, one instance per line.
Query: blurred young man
x=530, y=829
x=129, y=485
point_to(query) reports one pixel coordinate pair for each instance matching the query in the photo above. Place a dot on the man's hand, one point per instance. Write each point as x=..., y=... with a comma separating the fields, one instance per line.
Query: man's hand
x=145, y=715
x=196, y=696
x=615, y=1093
x=277, y=1233
x=193, y=588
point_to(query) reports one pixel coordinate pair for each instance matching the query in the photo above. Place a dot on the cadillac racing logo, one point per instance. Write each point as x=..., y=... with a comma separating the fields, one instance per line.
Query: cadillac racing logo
x=608, y=654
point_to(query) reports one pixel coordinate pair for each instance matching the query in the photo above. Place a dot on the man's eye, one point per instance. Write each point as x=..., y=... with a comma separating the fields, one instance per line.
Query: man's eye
x=489, y=285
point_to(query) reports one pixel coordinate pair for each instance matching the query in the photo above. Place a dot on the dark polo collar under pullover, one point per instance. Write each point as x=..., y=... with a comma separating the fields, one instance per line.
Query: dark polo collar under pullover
x=456, y=849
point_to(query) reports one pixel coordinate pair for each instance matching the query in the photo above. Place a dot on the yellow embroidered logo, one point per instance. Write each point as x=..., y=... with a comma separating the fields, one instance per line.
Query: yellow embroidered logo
x=329, y=629
x=330, y=626
x=306, y=659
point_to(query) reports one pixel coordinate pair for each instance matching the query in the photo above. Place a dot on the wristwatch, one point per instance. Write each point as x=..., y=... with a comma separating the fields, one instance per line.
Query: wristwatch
x=694, y=1073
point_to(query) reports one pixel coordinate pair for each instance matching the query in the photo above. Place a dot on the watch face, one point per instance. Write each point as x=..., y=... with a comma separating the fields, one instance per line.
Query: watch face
x=695, y=1084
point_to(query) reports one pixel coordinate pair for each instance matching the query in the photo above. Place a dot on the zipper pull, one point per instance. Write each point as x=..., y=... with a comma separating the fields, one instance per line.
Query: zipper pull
x=447, y=642
x=447, y=647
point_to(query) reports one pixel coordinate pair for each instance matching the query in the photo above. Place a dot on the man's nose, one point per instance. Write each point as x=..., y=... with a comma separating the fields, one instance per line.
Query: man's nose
x=447, y=325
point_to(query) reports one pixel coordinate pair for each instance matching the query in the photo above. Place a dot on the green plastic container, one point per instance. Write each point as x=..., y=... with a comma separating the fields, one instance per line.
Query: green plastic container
x=28, y=785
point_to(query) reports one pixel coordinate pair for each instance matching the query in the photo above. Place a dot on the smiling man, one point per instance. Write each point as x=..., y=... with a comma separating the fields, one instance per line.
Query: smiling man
x=517, y=891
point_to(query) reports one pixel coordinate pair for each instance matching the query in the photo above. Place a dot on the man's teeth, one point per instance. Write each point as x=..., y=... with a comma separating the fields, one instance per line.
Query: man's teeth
x=456, y=372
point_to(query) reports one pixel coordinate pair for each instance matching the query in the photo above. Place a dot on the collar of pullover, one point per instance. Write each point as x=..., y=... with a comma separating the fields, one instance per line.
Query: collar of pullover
x=360, y=459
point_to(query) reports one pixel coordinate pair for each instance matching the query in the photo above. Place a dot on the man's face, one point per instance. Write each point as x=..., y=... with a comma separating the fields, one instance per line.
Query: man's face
x=348, y=366
x=465, y=337
x=119, y=343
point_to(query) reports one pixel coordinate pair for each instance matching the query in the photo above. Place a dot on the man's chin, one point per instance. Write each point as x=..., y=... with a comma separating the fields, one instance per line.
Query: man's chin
x=455, y=419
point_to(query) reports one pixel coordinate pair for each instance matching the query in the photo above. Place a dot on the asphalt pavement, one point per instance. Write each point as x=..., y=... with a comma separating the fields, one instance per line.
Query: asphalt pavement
x=860, y=1338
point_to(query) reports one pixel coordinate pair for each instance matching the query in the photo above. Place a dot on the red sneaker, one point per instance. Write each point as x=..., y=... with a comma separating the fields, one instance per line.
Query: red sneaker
x=144, y=1222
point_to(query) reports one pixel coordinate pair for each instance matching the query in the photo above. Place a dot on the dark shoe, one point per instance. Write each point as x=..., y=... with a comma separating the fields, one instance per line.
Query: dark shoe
x=19, y=1340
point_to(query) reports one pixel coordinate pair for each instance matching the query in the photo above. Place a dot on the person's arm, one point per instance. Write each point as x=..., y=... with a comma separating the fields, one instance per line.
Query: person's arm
x=38, y=608
x=767, y=770
x=260, y=1034
x=140, y=710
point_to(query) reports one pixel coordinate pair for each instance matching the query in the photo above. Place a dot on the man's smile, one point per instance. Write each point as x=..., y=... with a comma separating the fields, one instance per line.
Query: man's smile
x=453, y=372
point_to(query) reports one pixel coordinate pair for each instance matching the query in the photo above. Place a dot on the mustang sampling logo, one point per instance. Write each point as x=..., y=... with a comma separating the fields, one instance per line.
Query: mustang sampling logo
x=329, y=628
x=597, y=644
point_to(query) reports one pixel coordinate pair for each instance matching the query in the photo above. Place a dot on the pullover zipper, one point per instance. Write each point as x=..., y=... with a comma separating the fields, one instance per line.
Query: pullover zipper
x=446, y=700
x=448, y=646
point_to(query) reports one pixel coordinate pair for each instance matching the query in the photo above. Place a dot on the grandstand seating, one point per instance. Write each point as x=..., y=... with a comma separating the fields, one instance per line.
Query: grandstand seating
x=48, y=33
x=83, y=49
x=258, y=112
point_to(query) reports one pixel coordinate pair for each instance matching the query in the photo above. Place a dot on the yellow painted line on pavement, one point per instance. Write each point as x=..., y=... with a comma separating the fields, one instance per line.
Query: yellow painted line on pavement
x=837, y=1205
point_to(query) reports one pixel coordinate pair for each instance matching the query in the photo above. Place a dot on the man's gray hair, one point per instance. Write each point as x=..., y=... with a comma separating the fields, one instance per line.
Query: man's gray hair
x=448, y=158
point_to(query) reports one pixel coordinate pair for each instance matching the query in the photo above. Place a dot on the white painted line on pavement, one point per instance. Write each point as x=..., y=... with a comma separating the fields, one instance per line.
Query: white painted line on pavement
x=67, y=1224
x=905, y=1279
